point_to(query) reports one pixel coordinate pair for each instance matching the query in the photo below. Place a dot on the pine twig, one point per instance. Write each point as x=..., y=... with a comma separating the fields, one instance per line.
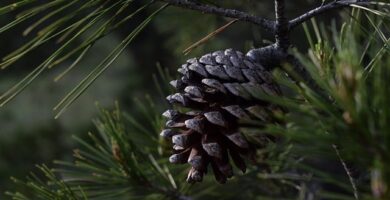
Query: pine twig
x=267, y=24
x=324, y=8
x=355, y=192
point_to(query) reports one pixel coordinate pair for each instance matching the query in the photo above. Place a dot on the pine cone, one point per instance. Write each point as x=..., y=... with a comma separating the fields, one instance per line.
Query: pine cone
x=214, y=92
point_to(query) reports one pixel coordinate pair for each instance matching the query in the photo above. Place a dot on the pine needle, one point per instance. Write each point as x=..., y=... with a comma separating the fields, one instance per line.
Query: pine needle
x=208, y=37
x=355, y=192
x=20, y=86
x=95, y=73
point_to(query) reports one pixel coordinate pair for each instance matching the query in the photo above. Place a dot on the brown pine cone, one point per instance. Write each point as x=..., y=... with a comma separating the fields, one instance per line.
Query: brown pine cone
x=214, y=93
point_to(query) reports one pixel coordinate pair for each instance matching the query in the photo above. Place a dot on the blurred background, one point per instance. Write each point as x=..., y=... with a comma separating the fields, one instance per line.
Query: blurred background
x=30, y=135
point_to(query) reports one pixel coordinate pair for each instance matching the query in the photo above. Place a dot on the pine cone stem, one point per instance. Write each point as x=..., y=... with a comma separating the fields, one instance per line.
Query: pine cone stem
x=269, y=56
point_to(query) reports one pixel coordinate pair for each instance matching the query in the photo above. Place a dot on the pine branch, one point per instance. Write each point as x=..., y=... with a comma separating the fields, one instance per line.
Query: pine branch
x=281, y=26
x=267, y=24
x=324, y=8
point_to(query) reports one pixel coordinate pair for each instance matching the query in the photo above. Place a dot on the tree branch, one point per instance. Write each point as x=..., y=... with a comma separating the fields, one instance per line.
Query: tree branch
x=269, y=25
x=324, y=8
x=281, y=27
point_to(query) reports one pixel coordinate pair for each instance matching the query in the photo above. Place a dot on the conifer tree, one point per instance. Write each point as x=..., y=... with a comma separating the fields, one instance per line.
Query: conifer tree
x=301, y=125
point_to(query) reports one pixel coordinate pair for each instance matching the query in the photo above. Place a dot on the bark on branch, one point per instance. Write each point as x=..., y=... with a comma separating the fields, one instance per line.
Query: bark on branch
x=272, y=26
x=324, y=8
x=281, y=27
x=267, y=24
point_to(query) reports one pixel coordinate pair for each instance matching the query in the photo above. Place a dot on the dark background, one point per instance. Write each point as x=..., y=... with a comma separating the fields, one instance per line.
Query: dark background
x=30, y=135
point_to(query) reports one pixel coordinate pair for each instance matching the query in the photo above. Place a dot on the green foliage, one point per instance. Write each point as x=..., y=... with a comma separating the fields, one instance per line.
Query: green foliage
x=66, y=23
x=114, y=164
x=52, y=188
x=344, y=124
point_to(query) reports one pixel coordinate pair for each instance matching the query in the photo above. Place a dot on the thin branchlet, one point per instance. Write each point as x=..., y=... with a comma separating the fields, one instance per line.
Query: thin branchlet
x=267, y=24
x=324, y=8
